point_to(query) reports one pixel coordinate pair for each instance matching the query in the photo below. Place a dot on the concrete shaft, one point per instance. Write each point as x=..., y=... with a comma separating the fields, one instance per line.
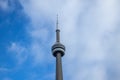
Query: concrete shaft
x=59, y=75
x=58, y=35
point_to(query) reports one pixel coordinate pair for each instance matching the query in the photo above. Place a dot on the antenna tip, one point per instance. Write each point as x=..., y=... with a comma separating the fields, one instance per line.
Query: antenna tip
x=57, y=23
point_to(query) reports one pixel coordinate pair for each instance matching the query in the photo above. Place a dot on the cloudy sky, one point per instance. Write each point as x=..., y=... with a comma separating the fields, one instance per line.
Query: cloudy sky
x=90, y=30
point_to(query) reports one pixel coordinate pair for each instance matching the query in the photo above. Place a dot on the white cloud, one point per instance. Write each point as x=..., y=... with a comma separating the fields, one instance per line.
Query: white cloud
x=3, y=69
x=37, y=53
x=87, y=30
x=18, y=52
x=16, y=48
x=40, y=34
x=4, y=4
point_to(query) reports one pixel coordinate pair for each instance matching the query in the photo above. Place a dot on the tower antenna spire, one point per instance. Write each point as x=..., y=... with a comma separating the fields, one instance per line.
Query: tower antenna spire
x=57, y=24
x=57, y=30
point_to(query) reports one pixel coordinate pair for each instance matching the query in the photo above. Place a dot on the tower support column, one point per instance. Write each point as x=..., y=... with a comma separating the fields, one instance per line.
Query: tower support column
x=59, y=75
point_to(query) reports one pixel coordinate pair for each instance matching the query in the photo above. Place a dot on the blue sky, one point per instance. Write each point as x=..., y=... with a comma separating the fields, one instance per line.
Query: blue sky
x=90, y=30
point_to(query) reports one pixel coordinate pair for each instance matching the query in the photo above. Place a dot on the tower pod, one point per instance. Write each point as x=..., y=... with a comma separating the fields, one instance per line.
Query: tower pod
x=58, y=48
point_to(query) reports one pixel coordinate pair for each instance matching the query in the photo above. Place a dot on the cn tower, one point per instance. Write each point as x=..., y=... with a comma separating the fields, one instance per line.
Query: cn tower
x=58, y=51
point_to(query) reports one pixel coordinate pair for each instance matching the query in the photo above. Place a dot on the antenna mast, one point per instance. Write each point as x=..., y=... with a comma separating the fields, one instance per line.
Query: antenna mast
x=57, y=31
